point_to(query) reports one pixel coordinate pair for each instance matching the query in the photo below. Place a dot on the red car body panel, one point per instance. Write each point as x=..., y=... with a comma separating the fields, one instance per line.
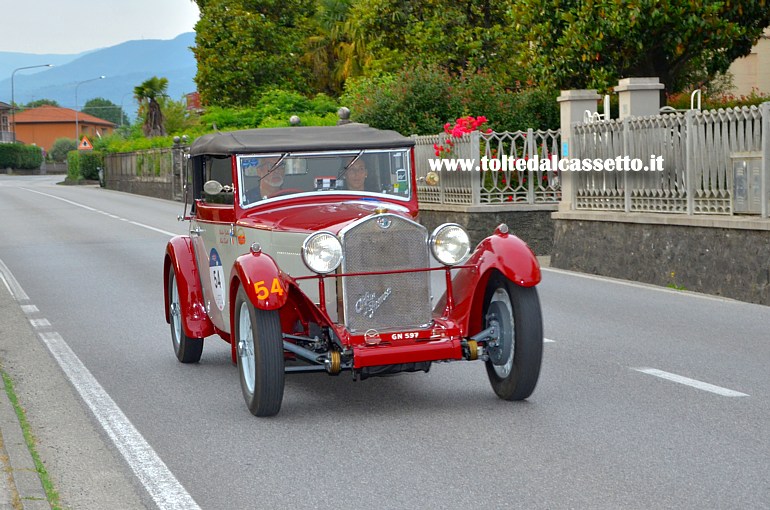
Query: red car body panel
x=264, y=283
x=180, y=257
x=311, y=214
x=502, y=252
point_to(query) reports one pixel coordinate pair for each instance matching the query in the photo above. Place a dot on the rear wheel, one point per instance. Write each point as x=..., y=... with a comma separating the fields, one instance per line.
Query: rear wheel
x=260, y=356
x=514, y=360
x=187, y=350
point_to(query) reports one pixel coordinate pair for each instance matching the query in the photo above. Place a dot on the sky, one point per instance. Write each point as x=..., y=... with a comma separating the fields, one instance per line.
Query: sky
x=67, y=26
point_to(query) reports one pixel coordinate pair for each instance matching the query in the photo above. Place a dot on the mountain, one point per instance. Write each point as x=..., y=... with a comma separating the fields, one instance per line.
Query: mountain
x=10, y=61
x=124, y=66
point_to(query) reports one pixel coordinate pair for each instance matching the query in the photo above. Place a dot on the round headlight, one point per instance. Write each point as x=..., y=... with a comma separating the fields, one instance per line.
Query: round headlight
x=322, y=252
x=450, y=244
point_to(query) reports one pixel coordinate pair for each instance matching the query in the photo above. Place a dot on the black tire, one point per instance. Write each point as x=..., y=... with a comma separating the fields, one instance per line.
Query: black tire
x=514, y=367
x=187, y=350
x=261, y=369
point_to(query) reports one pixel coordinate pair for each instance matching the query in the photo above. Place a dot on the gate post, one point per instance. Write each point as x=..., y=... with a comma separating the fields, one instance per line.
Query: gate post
x=573, y=105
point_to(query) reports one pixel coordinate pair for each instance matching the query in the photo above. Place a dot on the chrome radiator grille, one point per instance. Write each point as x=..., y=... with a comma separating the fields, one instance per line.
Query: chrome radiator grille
x=385, y=242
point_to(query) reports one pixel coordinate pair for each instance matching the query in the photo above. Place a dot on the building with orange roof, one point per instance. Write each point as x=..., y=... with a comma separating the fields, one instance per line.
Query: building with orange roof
x=44, y=125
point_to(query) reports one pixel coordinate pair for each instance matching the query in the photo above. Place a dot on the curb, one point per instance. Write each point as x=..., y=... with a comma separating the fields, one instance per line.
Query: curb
x=21, y=486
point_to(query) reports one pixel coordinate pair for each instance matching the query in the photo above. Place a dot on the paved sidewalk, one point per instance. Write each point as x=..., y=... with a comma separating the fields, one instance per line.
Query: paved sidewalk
x=20, y=486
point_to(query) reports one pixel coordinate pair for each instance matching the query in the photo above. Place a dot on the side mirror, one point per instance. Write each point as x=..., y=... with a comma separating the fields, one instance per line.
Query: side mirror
x=213, y=188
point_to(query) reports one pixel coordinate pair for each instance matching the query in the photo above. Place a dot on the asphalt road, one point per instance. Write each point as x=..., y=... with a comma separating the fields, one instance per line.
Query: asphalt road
x=648, y=397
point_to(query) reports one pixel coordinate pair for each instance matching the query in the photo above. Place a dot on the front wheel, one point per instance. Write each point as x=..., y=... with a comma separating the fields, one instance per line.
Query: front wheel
x=187, y=350
x=260, y=356
x=514, y=360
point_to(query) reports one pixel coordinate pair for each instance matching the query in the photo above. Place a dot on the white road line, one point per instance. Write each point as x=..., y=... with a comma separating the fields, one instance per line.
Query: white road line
x=10, y=282
x=691, y=382
x=548, y=341
x=152, y=472
x=148, y=227
x=40, y=323
x=142, y=225
x=29, y=309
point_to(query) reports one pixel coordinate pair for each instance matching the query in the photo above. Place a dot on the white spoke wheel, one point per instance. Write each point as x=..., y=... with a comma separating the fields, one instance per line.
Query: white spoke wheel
x=514, y=360
x=187, y=350
x=259, y=346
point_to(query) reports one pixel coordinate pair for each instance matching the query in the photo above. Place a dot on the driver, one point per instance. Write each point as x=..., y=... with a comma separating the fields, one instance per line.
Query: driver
x=269, y=182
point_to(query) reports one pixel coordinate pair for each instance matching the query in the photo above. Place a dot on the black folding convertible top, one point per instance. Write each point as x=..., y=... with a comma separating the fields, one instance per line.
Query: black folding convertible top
x=295, y=139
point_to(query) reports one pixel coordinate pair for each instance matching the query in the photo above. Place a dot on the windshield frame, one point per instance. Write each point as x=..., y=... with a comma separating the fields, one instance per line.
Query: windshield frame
x=351, y=155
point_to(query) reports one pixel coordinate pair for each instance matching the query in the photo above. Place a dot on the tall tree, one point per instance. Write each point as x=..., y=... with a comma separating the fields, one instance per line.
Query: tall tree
x=337, y=51
x=458, y=35
x=148, y=95
x=593, y=43
x=244, y=47
x=105, y=109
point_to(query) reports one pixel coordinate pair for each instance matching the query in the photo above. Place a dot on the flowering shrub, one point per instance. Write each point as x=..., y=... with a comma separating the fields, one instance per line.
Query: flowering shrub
x=463, y=126
x=681, y=101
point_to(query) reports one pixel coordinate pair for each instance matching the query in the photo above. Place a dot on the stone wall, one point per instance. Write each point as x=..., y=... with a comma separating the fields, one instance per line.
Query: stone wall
x=157, y=188
x=728, y=256
x=533, y=224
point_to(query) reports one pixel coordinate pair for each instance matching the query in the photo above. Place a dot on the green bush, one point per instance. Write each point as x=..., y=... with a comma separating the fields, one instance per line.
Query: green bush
x=330, y=119
x=421, y=100
x=20, y=156
x=73, y=166
x=275, y=105
x=61, y=147
x=90, y=163
x=414, y=101
x=84, y=165
x=714, y=102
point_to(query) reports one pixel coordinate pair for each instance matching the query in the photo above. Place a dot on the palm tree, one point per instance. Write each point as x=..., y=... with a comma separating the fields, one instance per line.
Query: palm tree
x=338, y=50
x=148, y=94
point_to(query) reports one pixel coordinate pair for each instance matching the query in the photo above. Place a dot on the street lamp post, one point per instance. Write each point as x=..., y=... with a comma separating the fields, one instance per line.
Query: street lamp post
x=77, y=123
x=121, y=107
x=13, y=98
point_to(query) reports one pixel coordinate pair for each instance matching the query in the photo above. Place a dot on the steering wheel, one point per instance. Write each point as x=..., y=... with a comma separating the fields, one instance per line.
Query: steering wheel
x=287, y=191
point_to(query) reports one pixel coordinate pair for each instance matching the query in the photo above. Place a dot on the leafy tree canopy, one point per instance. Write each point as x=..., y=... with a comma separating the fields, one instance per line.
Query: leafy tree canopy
x=245, y=46
x=458, y=35
x=592, y=44
x=41, y=102
x=107, y=110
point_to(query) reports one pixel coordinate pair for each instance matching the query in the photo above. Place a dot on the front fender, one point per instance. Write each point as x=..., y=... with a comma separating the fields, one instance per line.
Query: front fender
x=180, y=257
x=502, y=252
x=266, y=286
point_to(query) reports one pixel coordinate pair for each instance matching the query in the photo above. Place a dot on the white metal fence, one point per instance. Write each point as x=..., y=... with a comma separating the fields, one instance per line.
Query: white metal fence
x=713, y=161
x=478, y=187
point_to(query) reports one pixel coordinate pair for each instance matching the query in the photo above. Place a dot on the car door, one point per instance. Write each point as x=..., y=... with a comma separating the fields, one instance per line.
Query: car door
x=213, y=236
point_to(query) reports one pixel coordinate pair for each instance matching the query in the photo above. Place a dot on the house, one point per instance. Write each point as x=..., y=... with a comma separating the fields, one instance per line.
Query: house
x=5, y=123
x=44, y=125
x=752, y=72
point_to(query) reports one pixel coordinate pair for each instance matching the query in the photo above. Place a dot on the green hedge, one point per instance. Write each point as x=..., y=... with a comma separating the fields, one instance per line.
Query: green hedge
x=20, y=156
x=420, y=100
x=84, y=165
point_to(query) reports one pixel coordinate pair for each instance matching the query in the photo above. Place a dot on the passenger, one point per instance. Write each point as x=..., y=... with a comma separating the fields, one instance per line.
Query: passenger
x=355, y=177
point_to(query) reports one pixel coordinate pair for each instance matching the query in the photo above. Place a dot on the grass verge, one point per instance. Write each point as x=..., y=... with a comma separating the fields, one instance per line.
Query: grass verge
x=50, y=492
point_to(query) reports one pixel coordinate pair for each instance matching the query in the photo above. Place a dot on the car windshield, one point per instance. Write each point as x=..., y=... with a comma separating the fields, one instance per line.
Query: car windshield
x=265, y=176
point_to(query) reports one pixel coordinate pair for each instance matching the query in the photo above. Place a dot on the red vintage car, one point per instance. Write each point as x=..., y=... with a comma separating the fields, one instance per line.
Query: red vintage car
x=305, y=254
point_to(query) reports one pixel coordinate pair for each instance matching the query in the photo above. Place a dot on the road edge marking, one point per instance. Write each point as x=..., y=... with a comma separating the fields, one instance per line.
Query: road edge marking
x=110, y=215
x=694, y=383
x=154, y=475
